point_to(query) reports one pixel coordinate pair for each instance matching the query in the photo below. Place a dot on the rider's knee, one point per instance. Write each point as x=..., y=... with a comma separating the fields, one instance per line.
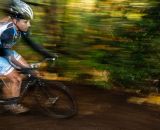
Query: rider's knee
x=19, y=79
x=16, y=80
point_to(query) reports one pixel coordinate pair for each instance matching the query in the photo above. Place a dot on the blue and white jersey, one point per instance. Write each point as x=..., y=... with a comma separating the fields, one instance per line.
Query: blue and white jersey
x=8, y=35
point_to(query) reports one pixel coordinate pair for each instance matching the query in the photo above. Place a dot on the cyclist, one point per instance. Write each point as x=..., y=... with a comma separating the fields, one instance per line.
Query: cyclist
x=17, y=26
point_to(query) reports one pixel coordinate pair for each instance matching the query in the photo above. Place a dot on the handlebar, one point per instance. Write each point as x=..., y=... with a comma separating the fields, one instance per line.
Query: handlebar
x=33, y=66
x=36, y=65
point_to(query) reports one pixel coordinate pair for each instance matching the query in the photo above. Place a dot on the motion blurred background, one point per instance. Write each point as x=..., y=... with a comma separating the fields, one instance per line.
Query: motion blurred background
x=100, y=42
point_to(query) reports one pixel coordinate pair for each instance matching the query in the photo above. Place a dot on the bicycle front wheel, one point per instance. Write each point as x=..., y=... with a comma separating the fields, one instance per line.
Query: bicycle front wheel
x=56, y=100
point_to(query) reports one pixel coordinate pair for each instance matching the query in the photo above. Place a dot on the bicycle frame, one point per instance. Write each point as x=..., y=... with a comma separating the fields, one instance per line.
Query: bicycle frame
x=55, y=101
x=31, y=80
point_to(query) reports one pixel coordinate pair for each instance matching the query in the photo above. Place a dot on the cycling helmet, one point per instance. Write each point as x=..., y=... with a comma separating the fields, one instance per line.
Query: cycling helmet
x=19, y=9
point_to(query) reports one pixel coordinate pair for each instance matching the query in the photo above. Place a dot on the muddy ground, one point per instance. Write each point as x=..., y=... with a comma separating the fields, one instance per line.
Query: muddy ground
x=99, y=109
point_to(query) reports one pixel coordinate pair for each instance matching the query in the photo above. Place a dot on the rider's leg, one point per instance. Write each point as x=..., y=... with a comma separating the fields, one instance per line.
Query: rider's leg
x=13, y=82
x=12, y=85
x=11, y=89
x=14, y=79
x=11, y=93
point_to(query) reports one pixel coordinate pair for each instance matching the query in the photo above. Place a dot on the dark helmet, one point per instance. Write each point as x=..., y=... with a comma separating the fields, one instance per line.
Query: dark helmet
x=19, y=9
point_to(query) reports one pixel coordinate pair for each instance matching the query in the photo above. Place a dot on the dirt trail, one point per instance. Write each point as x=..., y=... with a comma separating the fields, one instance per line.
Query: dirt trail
x=98, y=110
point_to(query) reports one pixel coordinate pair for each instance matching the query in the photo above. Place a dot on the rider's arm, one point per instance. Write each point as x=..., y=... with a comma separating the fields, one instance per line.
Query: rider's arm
x=37, y=47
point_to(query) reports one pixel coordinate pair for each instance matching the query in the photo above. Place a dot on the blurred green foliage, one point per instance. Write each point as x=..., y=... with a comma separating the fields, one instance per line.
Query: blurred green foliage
x=99, y=41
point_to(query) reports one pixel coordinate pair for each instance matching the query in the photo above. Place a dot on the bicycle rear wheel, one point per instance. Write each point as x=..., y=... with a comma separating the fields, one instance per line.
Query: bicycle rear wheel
x=56, y=100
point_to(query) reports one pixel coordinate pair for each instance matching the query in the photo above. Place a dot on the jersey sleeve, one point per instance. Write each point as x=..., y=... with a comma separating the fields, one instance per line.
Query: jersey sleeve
x=8, y=37
x=38, y=48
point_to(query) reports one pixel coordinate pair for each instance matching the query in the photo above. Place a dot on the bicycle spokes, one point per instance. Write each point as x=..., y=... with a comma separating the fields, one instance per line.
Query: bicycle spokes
x=56, y=100
x=51, y=101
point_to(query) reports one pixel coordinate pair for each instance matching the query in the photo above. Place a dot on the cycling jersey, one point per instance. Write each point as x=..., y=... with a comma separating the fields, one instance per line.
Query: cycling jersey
x=8, y=37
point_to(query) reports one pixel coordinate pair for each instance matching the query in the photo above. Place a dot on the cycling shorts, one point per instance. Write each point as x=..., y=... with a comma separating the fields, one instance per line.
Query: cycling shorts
x=5, y=66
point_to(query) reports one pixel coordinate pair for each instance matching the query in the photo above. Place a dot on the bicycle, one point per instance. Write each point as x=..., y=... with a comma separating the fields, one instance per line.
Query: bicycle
x=54, y=99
